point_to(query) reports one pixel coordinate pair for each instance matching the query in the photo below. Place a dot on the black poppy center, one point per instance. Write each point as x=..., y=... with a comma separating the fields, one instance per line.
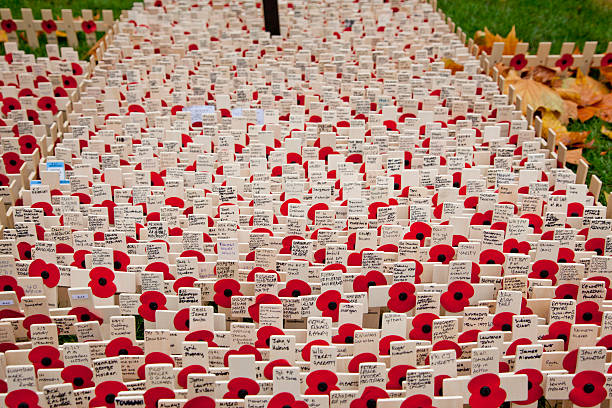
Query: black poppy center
x=562, y=260
x=486, y=222
x=491, y=261
x=529, y=385
x=102, y=281
x=458, y=295
x=23, y=405
x=83, y=264
x=420, y=236
x=396, y=186
x=598, y=251
x=349, y=340
x=332, y=306
x=544, y=273
x=28, y=254
x=574, y=214
x=117, y=265
x=568, y=296
x=441, y=257
x=187, y=323
x=485, y=391
x=401, y=380
x=85, y=317
x=456, y=184
x=588, y=388
x=562, y=337
x=286, y=406
x=48, y=105
x=322, y=387
x=403, y=296
x=506, y=327
x=371, y=283
x=110, y=398
x=11, y=107
x=123, y=352
x=67, y=83
x=426, y=328
x=227, y=292
x=8, y=288
x=13, y=162
x=44, y=275
x=153, y=306
x=242, y=393
x=588, y=316
x=78, y=381
x=46, y=361
x=406, y=162
x=295, y=293
x=531, y=226
x=371, y=403
x=28, y=145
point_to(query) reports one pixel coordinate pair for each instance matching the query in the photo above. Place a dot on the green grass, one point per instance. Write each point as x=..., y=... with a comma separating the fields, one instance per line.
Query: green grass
x=557, y=21
x=56, y=7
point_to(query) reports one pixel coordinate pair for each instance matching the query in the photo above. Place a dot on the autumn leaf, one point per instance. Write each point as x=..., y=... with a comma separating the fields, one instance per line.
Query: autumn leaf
x=570, y=111
x=3, y=36
x=590, y=90
x=61, y=33
x=605, y=73
x=485, y=40
x=604, y=108
x=538, y=95
x=452, y=65
x=510, y=42
x=574, y=156
x=607, y=132
x=542, y=74
x=587, y=113
x=550, y=120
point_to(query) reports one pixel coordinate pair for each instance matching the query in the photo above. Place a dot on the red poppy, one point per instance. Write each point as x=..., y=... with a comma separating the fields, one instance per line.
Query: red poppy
x=353, y=366
x=25, y=250
x=224, y=290
x=535, y=222
x=201, y=402
x=566, y=291
x=518, y=62
x=420, y=231
x=397, y=376
x=559, y=330
x=262, y=299
x=240, y=387
x=9, y=284
x=181, y=320
x=565, y=255
x=8, y=25
x=513, y=246
x=441, y=253
x=269, y=368
x=457, y=296
x=362, y=283
x=485, y=218
x=106, y=392
x=122, y=346
x=153, y=395
x=155, y=357
x=46, y=207
x=120, y=261
x=88, y=26
x=47, y=103
x=321, y=382
x=511, y=350
x=368, y=398
x=589, y=389
x=534, y=388
x=181, y=377
x=469, y=336
x=202, y=335
x=384, y=345
x=79, y=376
x=102, y=281
x=12, y=162
x=564, y=62
x=77, y=69
x=606, y=60
x=422, y=326
x=60, y=92
x=78, y=259
x=10, y=104
x=544, y=269
x=17, y=399
x=45, y=357
x=150, y=301
x=47, y=271
x=329, y=302
x=295, y=288
x=48, y=26
x=502, y=321
x=588, y=312
x=285, y=400
x=264, y=333
x=245, y=349
x=85, y=315
x=485, y=391
x=593, y=244
x=417, y=401
x=183, y=282
x=34, y=319
x=27, y=144
x=346, y=333
x=492, y=257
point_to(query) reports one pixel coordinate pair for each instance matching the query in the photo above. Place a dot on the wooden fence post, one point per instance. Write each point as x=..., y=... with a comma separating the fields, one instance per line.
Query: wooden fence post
x=68, y=25
x=28, y=27
x=48, y=15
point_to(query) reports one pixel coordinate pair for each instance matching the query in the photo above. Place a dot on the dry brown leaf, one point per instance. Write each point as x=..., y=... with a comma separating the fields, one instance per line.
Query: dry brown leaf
x=604, y=108
x=590, y=90
x=510, y=79
x=542, y=74
x=570, y=111
x=550, y=120
x=485, y=39
x=574, y=156
x=452, y=65
x=3, y=36
x=605, y=74
x=510, y=42
x=604, y=153
x=587, y=113
x=538, y=95
x=607, y=132
x=568, y=94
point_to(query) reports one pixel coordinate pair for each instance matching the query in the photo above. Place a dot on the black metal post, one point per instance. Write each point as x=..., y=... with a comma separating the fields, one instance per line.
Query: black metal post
x=270, y=10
